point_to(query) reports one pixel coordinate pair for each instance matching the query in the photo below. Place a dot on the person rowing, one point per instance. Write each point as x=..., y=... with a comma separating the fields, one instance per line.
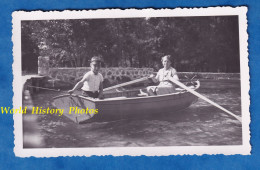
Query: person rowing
x=165, y=86
x=92, y=82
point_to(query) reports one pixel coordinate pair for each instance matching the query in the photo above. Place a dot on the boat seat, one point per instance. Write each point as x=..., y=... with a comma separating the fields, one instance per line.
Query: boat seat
x=112, y=98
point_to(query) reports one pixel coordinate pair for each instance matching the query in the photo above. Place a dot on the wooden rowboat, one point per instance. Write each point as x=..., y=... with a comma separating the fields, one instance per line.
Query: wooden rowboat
x=122, y=105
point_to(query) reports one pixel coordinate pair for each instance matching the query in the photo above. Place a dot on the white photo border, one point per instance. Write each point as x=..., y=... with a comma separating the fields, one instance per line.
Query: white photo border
x=243, y=149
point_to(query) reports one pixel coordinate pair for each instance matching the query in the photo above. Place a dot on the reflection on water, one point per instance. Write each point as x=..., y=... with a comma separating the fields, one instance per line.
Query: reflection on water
x=200, y=124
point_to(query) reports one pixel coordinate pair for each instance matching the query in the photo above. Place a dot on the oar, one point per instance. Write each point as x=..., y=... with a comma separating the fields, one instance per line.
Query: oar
x=127, y=83
x=204, y=98
x=43, y=88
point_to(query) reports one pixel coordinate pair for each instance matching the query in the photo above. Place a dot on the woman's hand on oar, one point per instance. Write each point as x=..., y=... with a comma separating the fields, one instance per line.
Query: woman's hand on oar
x=152, y=78
x=204, y=98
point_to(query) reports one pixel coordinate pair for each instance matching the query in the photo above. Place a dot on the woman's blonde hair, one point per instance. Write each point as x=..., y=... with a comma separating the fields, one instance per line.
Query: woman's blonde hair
x=168, y=57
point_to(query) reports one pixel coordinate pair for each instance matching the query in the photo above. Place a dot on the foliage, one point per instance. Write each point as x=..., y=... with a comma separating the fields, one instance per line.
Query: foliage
x=209, y=44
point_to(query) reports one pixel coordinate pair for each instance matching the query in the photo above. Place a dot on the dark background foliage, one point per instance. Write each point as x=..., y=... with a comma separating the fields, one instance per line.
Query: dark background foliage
x=196, y=44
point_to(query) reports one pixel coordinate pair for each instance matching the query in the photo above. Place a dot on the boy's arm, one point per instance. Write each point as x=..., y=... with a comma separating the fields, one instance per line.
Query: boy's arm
x=78, y=85
x=100, y=96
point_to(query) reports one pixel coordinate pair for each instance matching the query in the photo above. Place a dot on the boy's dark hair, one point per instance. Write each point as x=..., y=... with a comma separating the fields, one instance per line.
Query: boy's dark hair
x=96, y=59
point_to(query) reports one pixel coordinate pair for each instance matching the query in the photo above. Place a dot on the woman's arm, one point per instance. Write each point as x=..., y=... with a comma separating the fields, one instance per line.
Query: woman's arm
x=157, y=77
x=173, y=74
x=154, y=78
x=176, y=77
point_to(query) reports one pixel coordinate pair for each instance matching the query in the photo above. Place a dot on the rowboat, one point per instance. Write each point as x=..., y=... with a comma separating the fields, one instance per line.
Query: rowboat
x=123, y=104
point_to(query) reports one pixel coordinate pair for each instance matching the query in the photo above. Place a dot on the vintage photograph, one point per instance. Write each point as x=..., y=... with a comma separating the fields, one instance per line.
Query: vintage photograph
x=131, y=82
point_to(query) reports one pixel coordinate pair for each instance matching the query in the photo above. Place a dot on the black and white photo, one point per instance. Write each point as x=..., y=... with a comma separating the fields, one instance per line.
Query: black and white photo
x=131, y=82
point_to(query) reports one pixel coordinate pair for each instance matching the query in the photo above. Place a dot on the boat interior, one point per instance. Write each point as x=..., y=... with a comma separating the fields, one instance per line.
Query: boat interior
x=117, y=94
x=139, y=92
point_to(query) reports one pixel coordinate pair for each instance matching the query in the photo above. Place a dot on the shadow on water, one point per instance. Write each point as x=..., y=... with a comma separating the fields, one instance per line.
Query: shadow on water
x=201, y=124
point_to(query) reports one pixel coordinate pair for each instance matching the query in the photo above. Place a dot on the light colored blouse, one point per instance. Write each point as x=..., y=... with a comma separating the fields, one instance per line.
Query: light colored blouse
x=162, y=76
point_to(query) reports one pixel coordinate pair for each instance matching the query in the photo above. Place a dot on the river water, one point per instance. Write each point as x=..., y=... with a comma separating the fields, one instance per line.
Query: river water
x=199, y=125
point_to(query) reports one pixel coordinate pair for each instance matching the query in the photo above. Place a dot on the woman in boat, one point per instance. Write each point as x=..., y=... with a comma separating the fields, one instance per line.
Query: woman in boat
x=165, y=86
x=92, y=82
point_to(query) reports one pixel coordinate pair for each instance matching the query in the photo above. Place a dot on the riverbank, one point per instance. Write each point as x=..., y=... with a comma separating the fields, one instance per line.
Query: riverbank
x=66, y=78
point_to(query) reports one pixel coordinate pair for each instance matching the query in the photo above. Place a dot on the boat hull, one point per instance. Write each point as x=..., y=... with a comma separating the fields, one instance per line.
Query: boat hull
x=131, y=108
x=117, y=108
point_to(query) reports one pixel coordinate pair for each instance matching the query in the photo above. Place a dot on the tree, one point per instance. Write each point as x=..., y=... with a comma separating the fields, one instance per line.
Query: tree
x=196, y=43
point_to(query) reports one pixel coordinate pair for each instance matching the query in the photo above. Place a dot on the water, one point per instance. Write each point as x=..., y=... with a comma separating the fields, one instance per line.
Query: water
x=199, y=125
